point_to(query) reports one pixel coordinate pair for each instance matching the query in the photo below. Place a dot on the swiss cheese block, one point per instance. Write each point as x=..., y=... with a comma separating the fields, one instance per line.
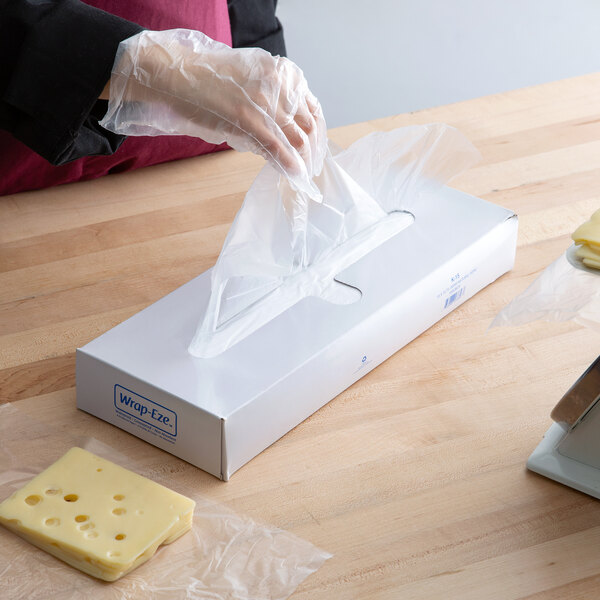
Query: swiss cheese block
x=95, y=515
x=588, y=236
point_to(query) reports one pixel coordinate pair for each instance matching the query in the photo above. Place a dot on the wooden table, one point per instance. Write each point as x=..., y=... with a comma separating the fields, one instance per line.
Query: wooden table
x=414, y=478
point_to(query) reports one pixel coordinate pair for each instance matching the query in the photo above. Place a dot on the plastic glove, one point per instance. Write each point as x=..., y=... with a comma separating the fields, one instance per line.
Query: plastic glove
x=182, y=82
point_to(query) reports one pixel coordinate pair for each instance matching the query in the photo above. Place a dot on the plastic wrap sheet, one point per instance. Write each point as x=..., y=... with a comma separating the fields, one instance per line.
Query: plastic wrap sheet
x=565, y=291
x=283, y=246
x=225, y=556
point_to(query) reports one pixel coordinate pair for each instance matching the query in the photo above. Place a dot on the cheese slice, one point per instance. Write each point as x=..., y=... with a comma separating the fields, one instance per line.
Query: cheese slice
x=591, y=263
x=588, y=252
x=588, y=236
x=589, y=232
x=95, y=515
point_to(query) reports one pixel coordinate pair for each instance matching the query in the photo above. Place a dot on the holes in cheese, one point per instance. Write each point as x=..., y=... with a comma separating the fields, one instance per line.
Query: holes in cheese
x=95, y=515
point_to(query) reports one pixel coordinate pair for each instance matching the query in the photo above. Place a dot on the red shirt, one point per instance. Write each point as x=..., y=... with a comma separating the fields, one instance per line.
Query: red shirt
x=22, y=169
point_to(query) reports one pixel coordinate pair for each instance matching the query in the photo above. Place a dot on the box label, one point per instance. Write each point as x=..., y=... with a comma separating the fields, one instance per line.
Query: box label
x=145, y=410
x=456, y=288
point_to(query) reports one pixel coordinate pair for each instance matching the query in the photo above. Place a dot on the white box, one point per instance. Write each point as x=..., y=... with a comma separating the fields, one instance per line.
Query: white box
x=219, y=413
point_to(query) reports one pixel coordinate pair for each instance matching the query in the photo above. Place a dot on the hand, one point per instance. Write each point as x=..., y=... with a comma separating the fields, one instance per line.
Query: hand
x=182, y=82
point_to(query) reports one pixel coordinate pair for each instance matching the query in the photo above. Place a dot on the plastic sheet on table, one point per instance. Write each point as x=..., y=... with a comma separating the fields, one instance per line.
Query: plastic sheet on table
x=226, y=556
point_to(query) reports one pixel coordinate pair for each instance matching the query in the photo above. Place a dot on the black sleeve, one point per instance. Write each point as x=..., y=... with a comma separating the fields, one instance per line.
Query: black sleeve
x=254, y=24
x=55, y=58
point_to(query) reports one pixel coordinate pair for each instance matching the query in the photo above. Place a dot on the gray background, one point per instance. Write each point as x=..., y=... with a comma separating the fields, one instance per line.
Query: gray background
x=366, y=59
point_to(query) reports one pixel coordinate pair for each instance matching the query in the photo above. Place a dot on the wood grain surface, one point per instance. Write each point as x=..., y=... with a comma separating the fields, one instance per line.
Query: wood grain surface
x=414, y=478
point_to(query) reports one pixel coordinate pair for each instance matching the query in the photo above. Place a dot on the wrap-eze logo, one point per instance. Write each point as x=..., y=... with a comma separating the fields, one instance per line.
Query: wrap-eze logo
x=145, y=409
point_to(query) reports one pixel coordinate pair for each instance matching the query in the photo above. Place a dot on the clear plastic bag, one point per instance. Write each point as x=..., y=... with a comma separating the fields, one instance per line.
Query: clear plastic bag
x=225, y=556
x=565, y=291
x=283, y=246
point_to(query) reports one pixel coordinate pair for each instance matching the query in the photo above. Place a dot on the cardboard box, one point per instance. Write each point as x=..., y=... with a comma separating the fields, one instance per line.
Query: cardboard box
x=219, y=413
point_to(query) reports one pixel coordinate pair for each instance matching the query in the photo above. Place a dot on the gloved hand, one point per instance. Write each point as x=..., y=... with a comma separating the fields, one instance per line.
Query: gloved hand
x=182, y=82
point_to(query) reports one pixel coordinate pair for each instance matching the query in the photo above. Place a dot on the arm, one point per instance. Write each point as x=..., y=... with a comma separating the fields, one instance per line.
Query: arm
x=182, y=82
x=105, y=93
x=55, y=59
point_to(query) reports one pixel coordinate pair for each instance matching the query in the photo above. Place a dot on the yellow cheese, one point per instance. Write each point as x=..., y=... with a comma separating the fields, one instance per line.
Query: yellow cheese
x=95, y=515
x=588, y=252
x=588, y=236
x=589, y=232
x=593, y=264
